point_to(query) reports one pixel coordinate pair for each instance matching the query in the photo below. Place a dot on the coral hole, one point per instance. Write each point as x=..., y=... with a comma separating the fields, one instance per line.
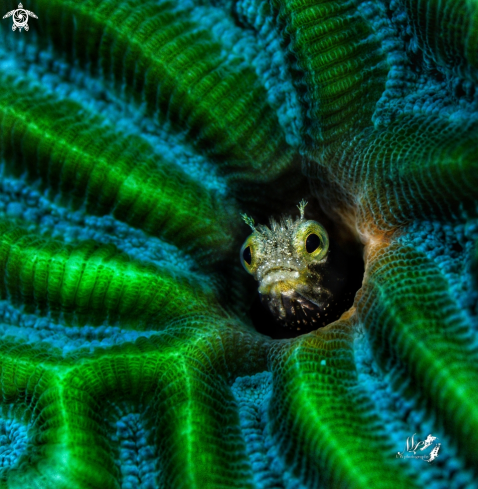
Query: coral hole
x=346, y=256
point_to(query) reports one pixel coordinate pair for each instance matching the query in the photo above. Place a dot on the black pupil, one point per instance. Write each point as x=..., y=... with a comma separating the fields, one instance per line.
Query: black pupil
x=246, y=254
x=312, y=243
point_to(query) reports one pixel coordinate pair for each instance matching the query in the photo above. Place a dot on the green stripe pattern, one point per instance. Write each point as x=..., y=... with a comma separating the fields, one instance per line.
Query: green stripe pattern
x=154, y=50
x=341, y=68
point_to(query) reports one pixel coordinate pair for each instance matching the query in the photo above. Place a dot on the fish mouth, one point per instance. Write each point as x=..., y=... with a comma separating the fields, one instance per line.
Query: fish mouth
x=293, y=302
x=290, y=297
x=279, y=274
x=280, y=268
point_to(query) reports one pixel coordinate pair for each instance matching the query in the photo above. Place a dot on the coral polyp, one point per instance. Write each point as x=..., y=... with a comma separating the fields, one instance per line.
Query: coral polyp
x=132, y=136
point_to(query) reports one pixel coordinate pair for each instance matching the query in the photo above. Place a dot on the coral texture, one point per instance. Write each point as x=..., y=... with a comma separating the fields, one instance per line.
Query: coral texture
x=132, y=135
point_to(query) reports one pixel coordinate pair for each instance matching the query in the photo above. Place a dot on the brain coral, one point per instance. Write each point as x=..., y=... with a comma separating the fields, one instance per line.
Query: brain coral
x=132, y=135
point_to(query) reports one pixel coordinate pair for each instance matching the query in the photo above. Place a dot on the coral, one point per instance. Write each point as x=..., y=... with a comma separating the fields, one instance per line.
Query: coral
x=132, y=136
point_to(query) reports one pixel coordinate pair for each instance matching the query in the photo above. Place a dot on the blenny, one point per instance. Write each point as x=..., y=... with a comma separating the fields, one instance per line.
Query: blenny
x=301, y=273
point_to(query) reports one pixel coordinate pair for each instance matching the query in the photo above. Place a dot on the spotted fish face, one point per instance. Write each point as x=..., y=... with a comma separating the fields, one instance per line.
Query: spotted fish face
x=288, y=260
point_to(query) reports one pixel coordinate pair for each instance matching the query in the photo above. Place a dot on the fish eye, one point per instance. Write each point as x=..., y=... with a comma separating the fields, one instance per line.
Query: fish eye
x=312, y=243
x=247, y=255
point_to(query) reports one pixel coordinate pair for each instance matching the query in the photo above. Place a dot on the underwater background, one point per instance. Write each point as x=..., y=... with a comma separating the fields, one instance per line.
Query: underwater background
x=132, y=136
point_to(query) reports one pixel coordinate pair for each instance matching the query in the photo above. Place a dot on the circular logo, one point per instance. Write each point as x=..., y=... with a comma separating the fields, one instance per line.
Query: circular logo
x=20, y=18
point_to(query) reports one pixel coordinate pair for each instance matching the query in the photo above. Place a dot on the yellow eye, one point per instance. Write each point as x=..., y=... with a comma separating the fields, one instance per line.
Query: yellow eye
x=249, y=253
x=311, y=241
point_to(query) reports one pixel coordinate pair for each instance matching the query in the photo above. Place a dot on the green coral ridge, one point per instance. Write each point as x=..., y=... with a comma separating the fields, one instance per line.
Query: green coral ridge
x=72, y=152
x=132, y=137
x=458, y=49
x=92, y=283
x=341, y=65
x=153, y=48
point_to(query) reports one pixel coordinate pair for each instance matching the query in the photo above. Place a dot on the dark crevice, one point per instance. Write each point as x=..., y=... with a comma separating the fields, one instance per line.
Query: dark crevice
x=343, y=277
x=457, y=247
